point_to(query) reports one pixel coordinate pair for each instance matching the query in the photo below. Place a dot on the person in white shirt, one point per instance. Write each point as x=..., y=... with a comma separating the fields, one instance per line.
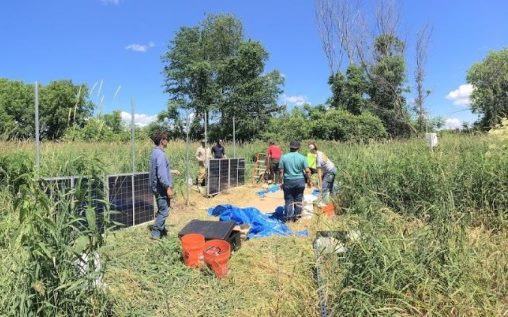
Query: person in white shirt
x=203, y=155
x=326, y=171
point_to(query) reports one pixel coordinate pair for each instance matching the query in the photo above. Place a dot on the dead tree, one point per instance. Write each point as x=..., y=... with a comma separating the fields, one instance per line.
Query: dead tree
x=422, y=42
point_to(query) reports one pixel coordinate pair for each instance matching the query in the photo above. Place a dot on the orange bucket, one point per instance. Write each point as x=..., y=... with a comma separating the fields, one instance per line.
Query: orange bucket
x=329, y=210
x=217, y=254
x=192, y=249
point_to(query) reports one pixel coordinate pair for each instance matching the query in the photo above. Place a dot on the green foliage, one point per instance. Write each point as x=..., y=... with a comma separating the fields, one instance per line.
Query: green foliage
x=319, y=123
x=211, y=69
x=17, y=110
x=44, y=279
x=386, y=88
x=61, y=105
x=340, y=125
x=490, y=81
x=349, y=92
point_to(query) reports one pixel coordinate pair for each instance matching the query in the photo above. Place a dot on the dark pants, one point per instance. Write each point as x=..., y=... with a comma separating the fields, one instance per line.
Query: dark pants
x=274, y=169
x=293, y=197
x=159, y=227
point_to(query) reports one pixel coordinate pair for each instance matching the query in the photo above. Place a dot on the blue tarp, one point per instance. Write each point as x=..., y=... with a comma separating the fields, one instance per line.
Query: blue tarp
x=271, y=189
x=261, y=225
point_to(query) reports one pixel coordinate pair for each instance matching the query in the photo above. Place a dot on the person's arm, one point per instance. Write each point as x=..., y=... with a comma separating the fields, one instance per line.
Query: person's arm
x=268, y=160
x=198, y=156
x=281, y=172
x=320, y=176
x=307, y=174
x=319, y=159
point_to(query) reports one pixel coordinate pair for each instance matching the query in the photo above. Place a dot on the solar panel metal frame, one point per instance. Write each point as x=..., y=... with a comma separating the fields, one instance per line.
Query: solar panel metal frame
x=221, y=172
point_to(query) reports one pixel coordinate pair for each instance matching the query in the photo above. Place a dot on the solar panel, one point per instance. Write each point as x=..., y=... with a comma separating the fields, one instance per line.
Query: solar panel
x=143, y=199
x=224, y=174
x=120, y=199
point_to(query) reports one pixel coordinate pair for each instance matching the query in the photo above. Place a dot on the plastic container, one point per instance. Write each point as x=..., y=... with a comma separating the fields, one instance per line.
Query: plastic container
x=217, y=254
x=192, y=249
x=328, y=210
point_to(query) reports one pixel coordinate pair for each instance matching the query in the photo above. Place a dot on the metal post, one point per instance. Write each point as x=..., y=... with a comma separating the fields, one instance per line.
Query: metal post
x=37, y=138
x=133, y=149
x=187, y=176
x=234, y=137
x=229, y=173
x=206, y=135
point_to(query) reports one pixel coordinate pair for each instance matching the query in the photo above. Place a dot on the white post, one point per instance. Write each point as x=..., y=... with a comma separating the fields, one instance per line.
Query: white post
x=234, y=137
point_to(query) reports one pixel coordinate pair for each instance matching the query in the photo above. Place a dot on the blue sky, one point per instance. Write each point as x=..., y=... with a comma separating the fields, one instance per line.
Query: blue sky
x=119, y=43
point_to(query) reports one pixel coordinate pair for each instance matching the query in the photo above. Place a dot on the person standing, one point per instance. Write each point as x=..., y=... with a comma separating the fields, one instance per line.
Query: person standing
x=273, y=155
x=218, y=150
x=292, y=170
x=203, y=155
x=326, y=172
x=161, y=183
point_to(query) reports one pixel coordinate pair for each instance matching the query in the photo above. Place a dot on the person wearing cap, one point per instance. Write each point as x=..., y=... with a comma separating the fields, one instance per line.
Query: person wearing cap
x=273, y=155
x=218, y=150
x=203, y=155
x=326, y=171
x=293, y=169
x=161, y=183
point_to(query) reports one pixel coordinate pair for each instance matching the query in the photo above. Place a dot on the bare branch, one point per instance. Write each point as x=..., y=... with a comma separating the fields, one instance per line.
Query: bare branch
x=422, y=42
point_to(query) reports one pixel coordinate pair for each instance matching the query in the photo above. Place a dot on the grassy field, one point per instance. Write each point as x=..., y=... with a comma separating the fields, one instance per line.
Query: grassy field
x=433, y=239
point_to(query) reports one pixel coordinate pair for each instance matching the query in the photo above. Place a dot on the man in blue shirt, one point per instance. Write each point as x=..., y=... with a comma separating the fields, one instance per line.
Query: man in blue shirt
x=292, y=169
x=161, y=182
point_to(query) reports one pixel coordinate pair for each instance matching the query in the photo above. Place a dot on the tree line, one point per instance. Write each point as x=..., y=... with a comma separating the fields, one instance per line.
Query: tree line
x=215, y=74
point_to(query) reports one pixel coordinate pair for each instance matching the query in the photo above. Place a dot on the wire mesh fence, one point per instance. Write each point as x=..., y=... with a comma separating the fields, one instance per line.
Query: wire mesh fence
x=128, y=196
x=224, y=174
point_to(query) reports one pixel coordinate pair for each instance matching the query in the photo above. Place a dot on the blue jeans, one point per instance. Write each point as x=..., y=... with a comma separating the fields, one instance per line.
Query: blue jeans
x=160, y=217
x=327, y=185
x=293, y=197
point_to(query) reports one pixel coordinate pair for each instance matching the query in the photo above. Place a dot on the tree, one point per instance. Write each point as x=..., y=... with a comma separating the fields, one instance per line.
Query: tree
x=490, y=81
x=17, y=110
x=114, y=121
x=422, y=41
x=387, y=77
x=348, y=92
x=63, y=105
x=212, y=70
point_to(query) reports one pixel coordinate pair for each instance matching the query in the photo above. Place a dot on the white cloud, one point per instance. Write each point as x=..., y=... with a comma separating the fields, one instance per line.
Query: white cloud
x=108, y=2
x=461, y=96
x=296, y=100
x=141, y=48
x=140, y=119
x=452, y=124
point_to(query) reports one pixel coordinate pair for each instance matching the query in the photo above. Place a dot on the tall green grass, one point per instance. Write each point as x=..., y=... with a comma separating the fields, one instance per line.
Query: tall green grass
x=44, y=244
x=433, y=230
x=433, y=234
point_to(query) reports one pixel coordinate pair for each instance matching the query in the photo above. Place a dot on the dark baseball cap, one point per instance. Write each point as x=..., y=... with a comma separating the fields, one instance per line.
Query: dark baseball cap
x=294, y=144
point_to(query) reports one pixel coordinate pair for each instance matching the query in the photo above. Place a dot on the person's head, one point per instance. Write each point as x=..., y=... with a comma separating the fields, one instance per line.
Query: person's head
x=271, y=143
x=294, y=146
x=203, y=142
x=312, y=147
x=160, y=138
x=220, y=142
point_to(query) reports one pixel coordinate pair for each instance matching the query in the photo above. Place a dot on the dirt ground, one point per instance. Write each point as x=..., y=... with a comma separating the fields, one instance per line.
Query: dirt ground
x=244, y=196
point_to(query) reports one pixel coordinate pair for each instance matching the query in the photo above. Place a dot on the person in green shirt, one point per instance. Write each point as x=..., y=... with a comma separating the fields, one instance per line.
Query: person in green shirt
x=294, y=172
